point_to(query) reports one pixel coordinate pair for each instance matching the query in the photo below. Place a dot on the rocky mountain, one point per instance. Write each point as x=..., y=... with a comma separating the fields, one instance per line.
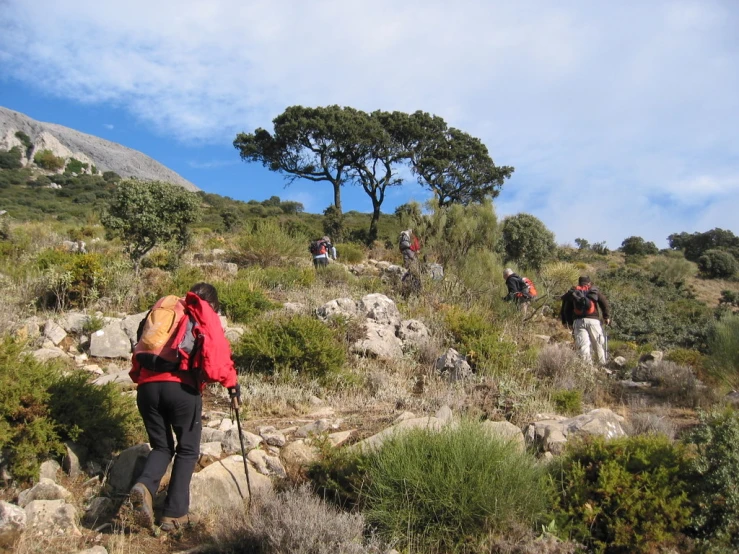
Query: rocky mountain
x=68, y=143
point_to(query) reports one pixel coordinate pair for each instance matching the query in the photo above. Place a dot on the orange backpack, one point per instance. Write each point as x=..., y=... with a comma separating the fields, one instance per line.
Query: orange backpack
x=584, y=300
x=530, y=288
x=156, y=349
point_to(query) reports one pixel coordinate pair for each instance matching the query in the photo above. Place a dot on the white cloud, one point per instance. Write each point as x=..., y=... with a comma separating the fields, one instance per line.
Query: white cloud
x=626, y=111
x=212, y=164
x=108, y=126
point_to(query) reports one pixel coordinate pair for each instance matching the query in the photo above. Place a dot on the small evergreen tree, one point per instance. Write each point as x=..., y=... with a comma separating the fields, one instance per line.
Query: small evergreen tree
x=527, y=241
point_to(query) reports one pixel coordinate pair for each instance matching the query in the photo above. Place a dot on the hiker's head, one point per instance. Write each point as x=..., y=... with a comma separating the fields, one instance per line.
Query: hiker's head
x=584, y=280
x=326, y=239
x=207, y=292
x=507, y=272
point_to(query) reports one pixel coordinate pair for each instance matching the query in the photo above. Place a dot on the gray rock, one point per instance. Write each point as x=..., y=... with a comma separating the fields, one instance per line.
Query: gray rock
x=110, y=342
x=444, y=414
x=435, y=271
x=375, y=441
x=130, y=325
x=74, y=322
x=120, y=378
x=52, y=516
x=275, y=467
x=49, y=470
x=453, y=366
x=337, y=439
x=223, y=485
x=404, y=416
x=127, y=467
x=602, y=422
x=272, y=436
x=74, y=456
x=227, y=267
x=100, y=509
x=298, y=456
x=54, y=332
x=379, y=342
x=618, y=362
x=315, y=428
x=259, y=459
x=344, y=307
x=413, y=333
x=232, y=445
x=506, y=431
x=226, y=425
x=380, y=309
x=211, y=449
x=12, y=524
x=30, y=329
x=45, y=489
x=46, y=354
x=212, y=435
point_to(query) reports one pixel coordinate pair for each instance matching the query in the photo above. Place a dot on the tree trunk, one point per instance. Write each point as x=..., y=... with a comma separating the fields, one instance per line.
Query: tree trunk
x=373, y=223
x=337, y=196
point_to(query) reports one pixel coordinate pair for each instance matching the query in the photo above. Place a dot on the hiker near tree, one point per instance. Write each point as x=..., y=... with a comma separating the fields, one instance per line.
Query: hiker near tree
x=581, y=309
x=521, y=290
x=181, y=347
x=409, y=246
x=322, y=250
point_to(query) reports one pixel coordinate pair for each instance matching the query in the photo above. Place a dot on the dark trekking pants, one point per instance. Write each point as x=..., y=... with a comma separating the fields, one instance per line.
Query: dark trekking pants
x=168, y=407
x=320, y=262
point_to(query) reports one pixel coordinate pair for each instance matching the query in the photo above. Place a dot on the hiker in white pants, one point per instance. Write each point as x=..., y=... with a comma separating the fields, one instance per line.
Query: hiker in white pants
x=581, y=307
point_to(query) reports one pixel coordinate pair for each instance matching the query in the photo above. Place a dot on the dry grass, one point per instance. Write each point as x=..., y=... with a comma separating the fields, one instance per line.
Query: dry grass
x=562, y=369
x=708, y=291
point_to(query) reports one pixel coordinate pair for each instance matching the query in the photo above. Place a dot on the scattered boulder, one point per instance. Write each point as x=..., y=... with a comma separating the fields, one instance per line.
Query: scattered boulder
x=375, y=441
x=232, y=445
x=110, y=342
x=45, y=489
x=127, y=467
x=130, y=326
x=413, y=333
x=227, y=267
x=120, y=378
x=315, y=428
x=379, y=308
x=619, y=362
x=49, y=470
x=379, y=342
x=272, y=436
x=551, y=434
x=298, y=456
x=344, y=307
x=46, y=354
x=54, y=332
x=210, y=434
x=213, y=449
x=435, y=271
x=52, y=516
x=223, y=485
x=74, y=456
x=337, y=439
x=294, y=308
x=12, y=524
x=75, y=322
x=506, y=431
x=453, y=366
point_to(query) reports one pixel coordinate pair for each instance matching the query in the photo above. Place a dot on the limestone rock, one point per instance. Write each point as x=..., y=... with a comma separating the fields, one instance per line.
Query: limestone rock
x=223, y=485
x=453, y=366
x=379, y=342
x=507, y=431
x=120, y=378
x=110, y=342
x=209, y=434
x=54, y=332
x=445, y=415
x=618, y=362
x=602, y=422
x=272, y=436
x=315, y=428
x=213, y=449
x=74, y=456
x=49, y=470
x=404, y=416
x=337, y=439
x=226, y=425
x=344, y=307
x=45, y=489
x=375, y=441
x=232, y=445
x=298, y=455
x=258, y=459
x=12, y=524
x=52, y=516
x=380, y=309
x=100, y=509
x=127, y=467
x=74, y=322
x=46, y=354
x=413, y=333
x=130, y=325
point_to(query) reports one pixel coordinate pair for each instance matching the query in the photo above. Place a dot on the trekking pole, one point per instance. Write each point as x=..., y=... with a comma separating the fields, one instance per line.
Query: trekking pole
x=243, y=454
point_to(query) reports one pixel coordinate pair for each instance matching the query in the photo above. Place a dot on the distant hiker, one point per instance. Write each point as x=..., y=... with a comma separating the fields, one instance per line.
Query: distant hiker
x=322, y=250
x=181, y=347
x=409, y=246
x=580, y=310
x=521, y=290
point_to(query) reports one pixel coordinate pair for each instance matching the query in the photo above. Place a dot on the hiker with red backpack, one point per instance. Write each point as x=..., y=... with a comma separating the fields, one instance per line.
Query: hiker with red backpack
x=410, y=247
x=581, y=309
x=521, y=290
x=322, y=250
x=181, y=347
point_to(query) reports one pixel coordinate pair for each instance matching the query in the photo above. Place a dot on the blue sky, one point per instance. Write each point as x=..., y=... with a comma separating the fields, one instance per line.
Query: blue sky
x=620, y=118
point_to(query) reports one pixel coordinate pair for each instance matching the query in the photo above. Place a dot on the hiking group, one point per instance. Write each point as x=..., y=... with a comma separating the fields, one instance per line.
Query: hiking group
x=322, y=250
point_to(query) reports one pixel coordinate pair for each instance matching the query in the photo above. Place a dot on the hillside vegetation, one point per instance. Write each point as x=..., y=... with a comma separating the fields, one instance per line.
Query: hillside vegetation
x=668, y=484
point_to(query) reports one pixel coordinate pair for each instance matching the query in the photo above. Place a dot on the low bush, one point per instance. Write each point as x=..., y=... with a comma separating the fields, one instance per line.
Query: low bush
x=349, y=253
x=686, y=357
x=723, y=349
x=568, y=402
x=11, y=159
x=671, y=271
x=449, y=490
x=645, y=423
x=285, y=346
x=562, y=369
x=283, y=277
x=717, y=264
x=623, y=495
x=334, y=274
x=242, y=302
x=267, y=243
x=78, y=280
x=674, y=381
x=47, y=160
x=481, y=341
x=295, y=521
x=715, y=485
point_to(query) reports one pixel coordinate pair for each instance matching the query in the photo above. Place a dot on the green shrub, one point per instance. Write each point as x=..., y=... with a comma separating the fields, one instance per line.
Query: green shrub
x=76, y=281
x=556, y=278
x=477, y=338
x=723, y=349
x=527, y=241
x=567, y=402
x=334, y=274
x=75, y=166
x=729, y=298
x=25, y=139
x=47, y=160
x=623, y=495
x=98, y=418
x=349, y=253
x=715, y=486
x=11, y=159
x=686, y=357
x=241, y=302
x=28, y=434
x=267, y=243
x=285, y=346
x=449, y=490
x=286, y=277
x=637, y=246
x=674, y=271
x=717, y=264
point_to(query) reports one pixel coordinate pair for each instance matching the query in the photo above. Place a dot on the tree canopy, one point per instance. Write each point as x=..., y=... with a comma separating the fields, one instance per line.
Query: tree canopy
x=527, y=241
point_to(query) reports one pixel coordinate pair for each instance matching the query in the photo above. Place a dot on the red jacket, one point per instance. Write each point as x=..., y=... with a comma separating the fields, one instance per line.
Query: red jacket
x=212, y=363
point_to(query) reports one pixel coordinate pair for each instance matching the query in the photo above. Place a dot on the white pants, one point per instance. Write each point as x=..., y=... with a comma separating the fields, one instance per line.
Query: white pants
x=587, y=330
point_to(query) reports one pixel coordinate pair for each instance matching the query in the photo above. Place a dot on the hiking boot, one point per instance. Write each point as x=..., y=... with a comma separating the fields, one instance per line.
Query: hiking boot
x=169, y=524
x=143, y=510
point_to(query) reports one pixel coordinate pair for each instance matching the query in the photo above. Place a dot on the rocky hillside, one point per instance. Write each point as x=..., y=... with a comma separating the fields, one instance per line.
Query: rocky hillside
x=67, y=143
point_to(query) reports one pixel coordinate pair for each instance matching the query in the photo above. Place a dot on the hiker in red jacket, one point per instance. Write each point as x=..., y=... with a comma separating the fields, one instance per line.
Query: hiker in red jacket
x=181, y=346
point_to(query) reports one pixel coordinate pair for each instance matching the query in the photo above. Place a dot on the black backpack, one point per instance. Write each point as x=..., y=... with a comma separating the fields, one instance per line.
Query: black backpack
x=317, y=247
x=584, y=300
